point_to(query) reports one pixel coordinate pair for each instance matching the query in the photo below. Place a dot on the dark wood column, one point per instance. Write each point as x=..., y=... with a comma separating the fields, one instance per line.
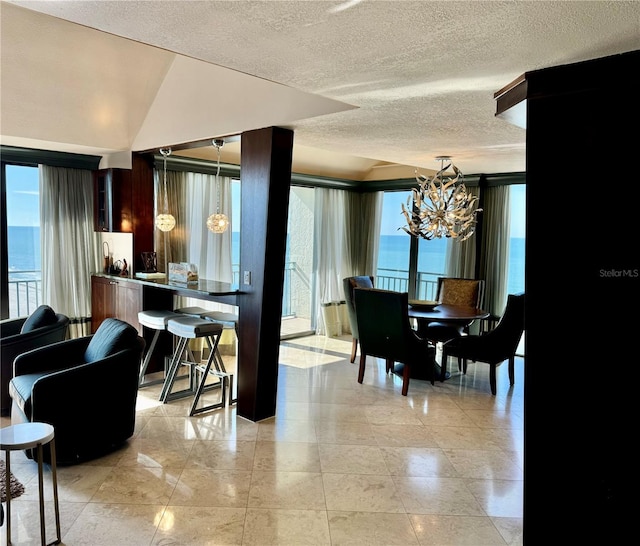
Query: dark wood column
x=265, y=183
x=582, y=286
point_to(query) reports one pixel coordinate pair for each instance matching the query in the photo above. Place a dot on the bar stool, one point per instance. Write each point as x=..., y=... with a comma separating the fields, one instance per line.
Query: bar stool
x=154, y=320
x=186, y=328
x=228, y=320
x=28, y=436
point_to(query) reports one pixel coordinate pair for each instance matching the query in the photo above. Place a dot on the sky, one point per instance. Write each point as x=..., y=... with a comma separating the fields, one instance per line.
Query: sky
x=22, y=203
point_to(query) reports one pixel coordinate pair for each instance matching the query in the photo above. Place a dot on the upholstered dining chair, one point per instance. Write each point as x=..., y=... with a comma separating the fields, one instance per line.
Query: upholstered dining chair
x=454, y=291
x=350, y=283
x=495, y=346
x=42, y=327
x=385, y=332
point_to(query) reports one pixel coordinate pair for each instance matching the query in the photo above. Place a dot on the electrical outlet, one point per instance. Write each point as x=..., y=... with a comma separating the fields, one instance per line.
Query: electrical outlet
x=247, y=278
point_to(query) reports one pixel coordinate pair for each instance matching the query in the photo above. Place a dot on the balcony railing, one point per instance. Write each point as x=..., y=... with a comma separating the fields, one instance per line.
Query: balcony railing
x=25, y=292
x=398, y=280
x=25, y=287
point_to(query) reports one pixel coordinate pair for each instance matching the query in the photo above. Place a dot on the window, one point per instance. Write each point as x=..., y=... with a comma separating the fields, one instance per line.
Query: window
x=24, y=281
x=397, y=248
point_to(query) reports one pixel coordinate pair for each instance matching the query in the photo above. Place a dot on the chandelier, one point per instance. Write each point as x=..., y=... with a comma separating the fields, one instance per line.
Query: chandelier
x=165, y=221
x=218, y=222
x=441, y=206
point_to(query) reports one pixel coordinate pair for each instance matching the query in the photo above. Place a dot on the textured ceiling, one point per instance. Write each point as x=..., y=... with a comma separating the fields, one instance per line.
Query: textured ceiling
x=364, y=84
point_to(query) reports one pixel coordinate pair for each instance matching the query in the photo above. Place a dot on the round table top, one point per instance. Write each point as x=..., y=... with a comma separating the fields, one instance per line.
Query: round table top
x=25, y=436
x=445, y=312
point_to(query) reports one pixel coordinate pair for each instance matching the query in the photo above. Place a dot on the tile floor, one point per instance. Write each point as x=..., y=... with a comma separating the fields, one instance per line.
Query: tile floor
x=340, y=464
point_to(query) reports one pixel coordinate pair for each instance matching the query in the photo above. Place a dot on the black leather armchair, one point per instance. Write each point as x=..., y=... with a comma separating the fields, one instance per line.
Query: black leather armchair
x=349, y=284
x=86, y=388
x=20, y=335
x=494, y=347
x=385, y=332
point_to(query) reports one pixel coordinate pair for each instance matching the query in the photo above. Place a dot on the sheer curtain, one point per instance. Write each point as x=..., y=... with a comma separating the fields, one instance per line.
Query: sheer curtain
x=494, y=261
x=494, y=251
x=362, y=234
x=347, y=231
x=329, y=232
x=70, y=250
x=211, y=252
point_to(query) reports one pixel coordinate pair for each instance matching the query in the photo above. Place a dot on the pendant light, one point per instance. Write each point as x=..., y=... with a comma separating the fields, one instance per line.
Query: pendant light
x=218, y=222
x=165, y=221
x=441, y=206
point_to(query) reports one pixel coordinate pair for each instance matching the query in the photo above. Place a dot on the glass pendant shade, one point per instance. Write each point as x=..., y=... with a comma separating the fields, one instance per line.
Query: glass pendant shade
x=165, y=222
x=218, y=223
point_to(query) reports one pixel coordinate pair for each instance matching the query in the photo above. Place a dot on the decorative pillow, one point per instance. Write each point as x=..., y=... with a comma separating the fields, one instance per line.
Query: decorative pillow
x=112, y=335
x=42, y=316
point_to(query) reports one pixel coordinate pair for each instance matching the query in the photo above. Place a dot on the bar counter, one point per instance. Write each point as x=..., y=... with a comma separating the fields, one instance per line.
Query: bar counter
x=204, y=289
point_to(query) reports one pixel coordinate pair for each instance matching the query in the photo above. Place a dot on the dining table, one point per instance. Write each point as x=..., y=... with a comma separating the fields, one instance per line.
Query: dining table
x=424, y=312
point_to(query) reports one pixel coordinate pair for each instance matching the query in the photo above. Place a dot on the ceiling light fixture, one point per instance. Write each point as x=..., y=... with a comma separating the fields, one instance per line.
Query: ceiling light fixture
x=165, y=221
x=218, y=222
x=441, y=206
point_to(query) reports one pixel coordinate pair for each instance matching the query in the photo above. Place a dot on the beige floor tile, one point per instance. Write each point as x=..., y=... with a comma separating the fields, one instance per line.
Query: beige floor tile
x=445, y=496
x=372, y=529
x=113, y=524
x=225, y=454
x=510, y=529
x=287, y=490
x=137, y=485
x=352, y=459
x=286, y=457
x=465, y=438
x=483, y=464
x=499, y=498
x=344, y=432
x=287, y=430
x=385, y=415
x=361, y=493
x=271, y=527
x=200, y=487
x=199, y=525
x=404, y=436
x=151, y=452
x=436, y=530
x=25, y=520
x=419, y=462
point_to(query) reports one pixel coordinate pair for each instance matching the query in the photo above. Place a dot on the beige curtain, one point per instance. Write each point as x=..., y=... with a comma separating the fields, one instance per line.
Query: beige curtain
x=362, y=232
x=69, y=245
x=494, y=254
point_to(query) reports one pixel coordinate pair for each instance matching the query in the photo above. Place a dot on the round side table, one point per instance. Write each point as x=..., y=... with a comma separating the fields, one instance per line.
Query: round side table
x=29, y=436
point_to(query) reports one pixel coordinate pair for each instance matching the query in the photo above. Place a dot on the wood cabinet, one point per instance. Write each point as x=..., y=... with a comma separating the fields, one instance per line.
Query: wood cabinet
x=113, y=297
x=123, y=201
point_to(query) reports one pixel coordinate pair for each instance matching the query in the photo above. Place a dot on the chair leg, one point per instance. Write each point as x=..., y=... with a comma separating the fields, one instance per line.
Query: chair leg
x=492, y=378
x=406, y=373
x=363, y=359
x=354, y=348
x=512, y=378
x=389, y=366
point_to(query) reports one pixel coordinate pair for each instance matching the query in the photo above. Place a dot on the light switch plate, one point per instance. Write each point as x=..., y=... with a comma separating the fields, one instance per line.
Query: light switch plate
x=247, y=278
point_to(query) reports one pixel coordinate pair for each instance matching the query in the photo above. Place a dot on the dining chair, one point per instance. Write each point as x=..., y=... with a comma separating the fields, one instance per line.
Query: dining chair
x=385, y=332
x=495, y=346
x=454, y=291
x=350, y=283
